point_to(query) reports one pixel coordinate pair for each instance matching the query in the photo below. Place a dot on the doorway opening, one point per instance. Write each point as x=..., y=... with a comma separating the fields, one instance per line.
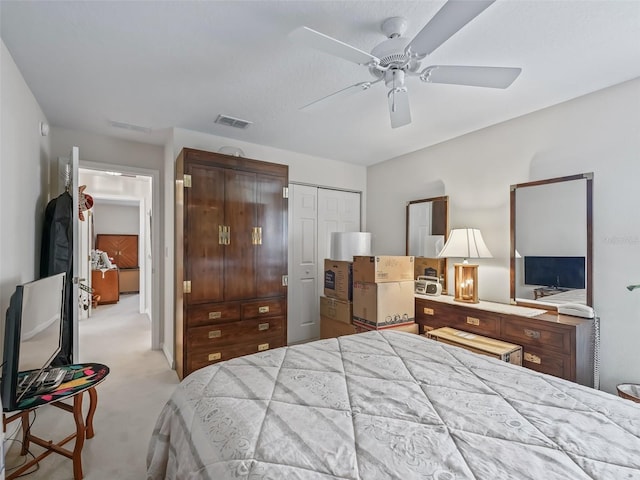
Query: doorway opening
x=125, y=200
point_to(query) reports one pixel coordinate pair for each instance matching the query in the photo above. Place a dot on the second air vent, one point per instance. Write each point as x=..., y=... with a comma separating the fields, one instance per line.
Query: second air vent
x=232, y=122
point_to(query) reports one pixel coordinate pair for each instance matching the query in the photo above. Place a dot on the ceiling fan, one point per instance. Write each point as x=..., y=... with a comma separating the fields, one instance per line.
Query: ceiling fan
x=397, y=58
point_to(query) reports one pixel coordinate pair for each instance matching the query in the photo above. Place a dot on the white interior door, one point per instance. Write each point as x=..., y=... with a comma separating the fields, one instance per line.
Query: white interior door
x=303, y=320
x=74, y=162
x=313, y=214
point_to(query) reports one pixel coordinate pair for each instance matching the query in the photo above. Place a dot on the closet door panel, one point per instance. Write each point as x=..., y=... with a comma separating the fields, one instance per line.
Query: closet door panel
x=239, y=261
x=203, y=252
x=271, y=246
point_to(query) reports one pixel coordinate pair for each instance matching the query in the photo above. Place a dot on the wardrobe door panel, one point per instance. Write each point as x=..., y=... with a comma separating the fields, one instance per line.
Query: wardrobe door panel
x=239, y=261
x=204, y=203
x=271, y=244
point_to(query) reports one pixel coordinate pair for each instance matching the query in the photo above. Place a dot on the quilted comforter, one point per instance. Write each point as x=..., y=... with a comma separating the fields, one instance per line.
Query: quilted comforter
x=381, y=405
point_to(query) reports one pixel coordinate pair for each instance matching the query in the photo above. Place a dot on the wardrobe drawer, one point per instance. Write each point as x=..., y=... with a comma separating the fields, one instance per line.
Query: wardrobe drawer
x=201, y=357
x=549, y=363
x=263, y=308
x=537, y=334
x=207, y=314
x=241, y=331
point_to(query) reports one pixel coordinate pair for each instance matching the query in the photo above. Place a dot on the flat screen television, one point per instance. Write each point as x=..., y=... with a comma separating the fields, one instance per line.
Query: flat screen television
x=32, y=333
x=559, y=272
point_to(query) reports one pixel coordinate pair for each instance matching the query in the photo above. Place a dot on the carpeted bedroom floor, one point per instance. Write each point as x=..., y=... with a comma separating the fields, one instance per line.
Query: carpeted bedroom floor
x=129, y=400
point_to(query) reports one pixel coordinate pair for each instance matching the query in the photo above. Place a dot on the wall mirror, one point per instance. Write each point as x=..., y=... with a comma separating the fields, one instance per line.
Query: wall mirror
x=551, y=241
x=427, y=227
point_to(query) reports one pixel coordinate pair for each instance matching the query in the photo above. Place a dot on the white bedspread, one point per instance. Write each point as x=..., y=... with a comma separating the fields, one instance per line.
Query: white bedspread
x=382, y=405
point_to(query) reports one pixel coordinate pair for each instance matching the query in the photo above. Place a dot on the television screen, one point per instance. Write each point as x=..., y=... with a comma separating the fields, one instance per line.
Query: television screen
x=33, y=332
x=560, y=272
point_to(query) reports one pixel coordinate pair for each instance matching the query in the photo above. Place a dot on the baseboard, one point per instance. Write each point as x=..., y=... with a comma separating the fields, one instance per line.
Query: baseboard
x=169, y=357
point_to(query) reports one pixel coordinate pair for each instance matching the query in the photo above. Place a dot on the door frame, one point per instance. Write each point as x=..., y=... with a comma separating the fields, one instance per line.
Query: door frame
x=156, y=313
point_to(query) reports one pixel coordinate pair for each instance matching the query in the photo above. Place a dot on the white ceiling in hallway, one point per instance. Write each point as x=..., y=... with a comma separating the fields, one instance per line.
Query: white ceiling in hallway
x=162, y=64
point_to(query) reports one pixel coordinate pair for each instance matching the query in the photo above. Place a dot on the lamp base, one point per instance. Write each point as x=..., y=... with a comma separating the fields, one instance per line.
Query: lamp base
x=466, y=283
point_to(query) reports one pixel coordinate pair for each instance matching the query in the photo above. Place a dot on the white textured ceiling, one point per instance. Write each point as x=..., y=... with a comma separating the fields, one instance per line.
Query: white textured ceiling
x=161, y=64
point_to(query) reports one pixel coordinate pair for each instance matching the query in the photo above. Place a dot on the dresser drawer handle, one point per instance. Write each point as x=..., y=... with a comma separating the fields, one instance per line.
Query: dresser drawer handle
x=530, y=357
x=473, y=321
x=532, y=333
x=427, y=311
x=215, y=333
x=263, y=346
x=264, y=309
x=263, y=326
x=215, y=315
x=215, y=356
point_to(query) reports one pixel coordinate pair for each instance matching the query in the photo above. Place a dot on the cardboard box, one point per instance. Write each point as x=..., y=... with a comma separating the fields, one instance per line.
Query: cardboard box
x=382, y=268
x=430, y=267
x=408, y=327
x=338, y=279
x=383, y=304
x=507, y=352
x=333, y=328
x=336, y=309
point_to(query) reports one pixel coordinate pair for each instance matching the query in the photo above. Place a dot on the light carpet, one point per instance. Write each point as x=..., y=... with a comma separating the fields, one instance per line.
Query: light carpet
x=129, y=400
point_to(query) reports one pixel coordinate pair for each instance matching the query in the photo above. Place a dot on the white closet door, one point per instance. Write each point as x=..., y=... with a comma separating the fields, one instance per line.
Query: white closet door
x=338, y=211
x=313, y=214
x=303, y=303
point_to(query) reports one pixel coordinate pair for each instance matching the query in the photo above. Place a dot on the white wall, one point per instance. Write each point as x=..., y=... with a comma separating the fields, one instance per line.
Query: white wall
x=116, y=219
x=24, y=179
x=597, y=133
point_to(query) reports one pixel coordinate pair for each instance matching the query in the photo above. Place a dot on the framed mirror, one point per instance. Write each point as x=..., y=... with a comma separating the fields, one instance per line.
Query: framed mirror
x=427, y=222
x=552, y=241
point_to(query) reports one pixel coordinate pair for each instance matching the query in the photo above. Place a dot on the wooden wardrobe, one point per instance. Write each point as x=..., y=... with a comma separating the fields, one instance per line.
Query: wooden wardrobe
x=231, y=258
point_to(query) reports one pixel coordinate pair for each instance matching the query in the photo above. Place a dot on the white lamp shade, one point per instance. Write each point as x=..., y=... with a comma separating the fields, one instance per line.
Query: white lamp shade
x=465, y=243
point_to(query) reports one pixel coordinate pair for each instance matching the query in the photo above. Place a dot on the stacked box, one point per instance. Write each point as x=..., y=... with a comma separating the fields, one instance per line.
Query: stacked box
x=379, y=305
x=335, y=310
x=333, y=328
x=338, y=279
x=383, y=268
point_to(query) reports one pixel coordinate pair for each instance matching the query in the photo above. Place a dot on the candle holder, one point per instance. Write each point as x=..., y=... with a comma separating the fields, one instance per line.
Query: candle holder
x=466, y=283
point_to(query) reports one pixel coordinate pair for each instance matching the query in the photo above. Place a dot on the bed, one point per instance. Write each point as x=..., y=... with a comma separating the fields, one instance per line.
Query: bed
x=386, y=404
x=577, y=295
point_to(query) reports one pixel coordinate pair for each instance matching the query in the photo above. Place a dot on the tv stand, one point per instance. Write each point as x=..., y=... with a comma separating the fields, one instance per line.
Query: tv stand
x=85, y=379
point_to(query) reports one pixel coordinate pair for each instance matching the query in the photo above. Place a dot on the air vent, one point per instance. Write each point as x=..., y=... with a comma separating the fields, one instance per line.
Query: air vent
x=128, y=126
x=232, y=122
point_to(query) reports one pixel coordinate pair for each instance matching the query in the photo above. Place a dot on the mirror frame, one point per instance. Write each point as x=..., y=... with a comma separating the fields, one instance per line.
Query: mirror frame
x=589, y=234
x=445, y=199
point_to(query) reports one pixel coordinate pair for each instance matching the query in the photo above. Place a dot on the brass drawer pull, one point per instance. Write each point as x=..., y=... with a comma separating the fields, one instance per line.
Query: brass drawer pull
x=427, y=311
x=215, y=315
x=473, y=321
x=532, y=333
x=530, y=357
x=215, y=356
x=264, y=309
x=215, y=334
x=263, y=326
x=263, y=346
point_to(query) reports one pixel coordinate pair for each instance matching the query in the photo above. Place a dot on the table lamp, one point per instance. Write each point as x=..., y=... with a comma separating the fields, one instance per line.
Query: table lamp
x=465, y=243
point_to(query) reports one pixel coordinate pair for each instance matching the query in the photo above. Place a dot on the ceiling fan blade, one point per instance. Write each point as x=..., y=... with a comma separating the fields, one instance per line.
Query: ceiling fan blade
x=399, y=107
x=330, y=45
x=337, y=96
x=492, y=77
x=454, y=15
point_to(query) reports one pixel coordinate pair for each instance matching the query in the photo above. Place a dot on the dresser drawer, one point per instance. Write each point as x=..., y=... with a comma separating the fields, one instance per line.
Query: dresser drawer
x=242, y=331
x=263, y=308
x=549, y=363
x=436, y=315
x=537, y=334
x=209, y=313
x=201, y=357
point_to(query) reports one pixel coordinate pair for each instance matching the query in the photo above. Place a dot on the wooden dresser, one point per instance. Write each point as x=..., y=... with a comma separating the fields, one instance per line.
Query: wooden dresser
x=107, y=285
x=231, y=258
x=558, y=345
x=124, y=251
